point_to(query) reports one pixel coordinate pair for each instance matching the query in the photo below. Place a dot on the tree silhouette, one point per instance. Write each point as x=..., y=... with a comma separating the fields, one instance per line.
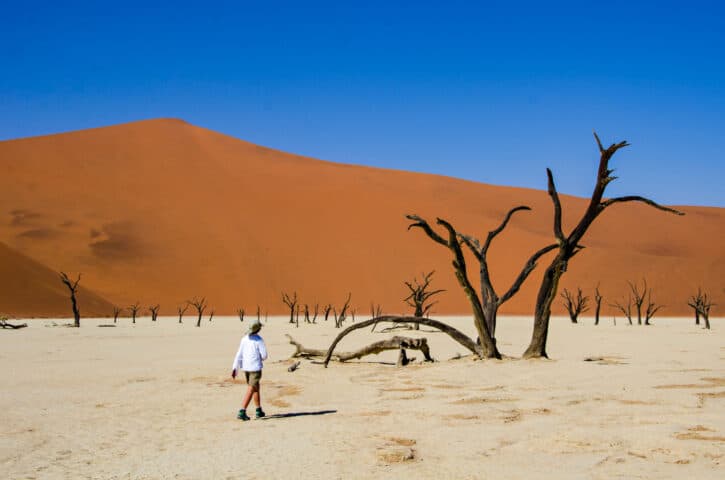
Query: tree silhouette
x=73, y=288
x=568, y=245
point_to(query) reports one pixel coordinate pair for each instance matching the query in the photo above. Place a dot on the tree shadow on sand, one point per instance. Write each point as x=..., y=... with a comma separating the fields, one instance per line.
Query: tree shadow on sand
x=297, y=414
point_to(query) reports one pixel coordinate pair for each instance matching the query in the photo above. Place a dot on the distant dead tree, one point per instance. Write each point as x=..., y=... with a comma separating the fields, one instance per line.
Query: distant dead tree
x=307, y=313
x=375, y=311
x=73, y=288
x=240, y=312
x=291, y=302
x=340, y=319
x=638, y=299
x=259, y=314
x=701, y=303
x=568, y=245
x=154, y=309
x=575, y=305
x=625, y=308
x=181, y=309
x=116, y=312
x=317, y=312
x=328, y=309
x=636, y=304
x=420, y=295
x=134, y=311
x=598, y=302
x=200, y=305
x=211, y=315
x=486, y=307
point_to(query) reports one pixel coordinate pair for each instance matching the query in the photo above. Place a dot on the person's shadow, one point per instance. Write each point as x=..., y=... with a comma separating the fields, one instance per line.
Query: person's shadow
x=297, y=414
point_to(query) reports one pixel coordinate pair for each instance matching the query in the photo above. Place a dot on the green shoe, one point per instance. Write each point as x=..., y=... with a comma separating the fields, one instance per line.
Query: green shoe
x=242, y=415
x=259, y=412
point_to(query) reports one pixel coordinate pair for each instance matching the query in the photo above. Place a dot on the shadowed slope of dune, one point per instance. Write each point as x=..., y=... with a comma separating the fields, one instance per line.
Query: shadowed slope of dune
x=30, y=289
x=160, y=211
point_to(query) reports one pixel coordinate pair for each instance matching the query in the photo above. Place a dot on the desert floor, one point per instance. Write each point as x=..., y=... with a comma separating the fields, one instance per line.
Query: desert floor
x=155, y=400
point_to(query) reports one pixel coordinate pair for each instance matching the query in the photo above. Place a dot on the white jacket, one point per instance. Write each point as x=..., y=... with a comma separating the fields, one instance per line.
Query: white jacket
x=252, y=352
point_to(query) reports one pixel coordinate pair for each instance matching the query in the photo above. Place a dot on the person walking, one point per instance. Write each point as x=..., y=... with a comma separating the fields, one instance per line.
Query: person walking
x=249, y=359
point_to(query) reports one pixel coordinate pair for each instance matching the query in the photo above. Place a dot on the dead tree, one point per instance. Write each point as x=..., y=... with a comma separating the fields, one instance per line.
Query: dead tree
x=452, y=332
x=393, y=343
x=200, y=305
x=73, y=288
x=317, y=312
x=598, y=302
x=291, y=302
x=568, y=245
x=340, y=319
x=134, y=311
x=259, y=314
x=240, y=312
x=625, y=308
x=328, y=309
x=181, y=309
x=486, y=307
x=307, y=313
x=638, y=299
x=211, y=315
x=116, y=312
x=419, y=296
x=575, y=305
x=701, y=303
x=154, y=309
x=652, y=308
x=375, y=311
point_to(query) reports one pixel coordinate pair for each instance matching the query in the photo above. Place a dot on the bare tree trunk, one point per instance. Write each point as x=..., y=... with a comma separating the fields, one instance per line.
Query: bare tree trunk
x=154, y=312
x=134, y=310
x=598, y=301
x=200, y=305
x=291, y=302
x=568, y=246
x=73, y=287
x=547, y=292
x=116, y=312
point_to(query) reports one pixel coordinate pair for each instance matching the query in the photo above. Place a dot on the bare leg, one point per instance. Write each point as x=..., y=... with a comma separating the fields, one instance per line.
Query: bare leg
x=248, y=397
x=257, y=398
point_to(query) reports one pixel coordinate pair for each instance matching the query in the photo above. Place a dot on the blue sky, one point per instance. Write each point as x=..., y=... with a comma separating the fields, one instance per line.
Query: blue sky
x=488, y=91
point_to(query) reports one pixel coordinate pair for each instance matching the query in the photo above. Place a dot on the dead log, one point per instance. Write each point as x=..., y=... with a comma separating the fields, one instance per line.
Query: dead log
x=392, y=343
x=454, y=333
x=5, y=324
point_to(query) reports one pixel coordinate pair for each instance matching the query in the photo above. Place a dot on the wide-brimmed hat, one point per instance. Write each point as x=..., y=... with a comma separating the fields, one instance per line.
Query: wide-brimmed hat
x=254, y=327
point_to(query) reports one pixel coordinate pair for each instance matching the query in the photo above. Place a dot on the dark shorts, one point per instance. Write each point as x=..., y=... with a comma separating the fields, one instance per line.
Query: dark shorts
x=253, y=378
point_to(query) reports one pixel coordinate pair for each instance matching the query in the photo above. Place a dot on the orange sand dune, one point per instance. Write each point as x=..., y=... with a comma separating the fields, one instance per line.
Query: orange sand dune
x=161, y=211
x=30, y=289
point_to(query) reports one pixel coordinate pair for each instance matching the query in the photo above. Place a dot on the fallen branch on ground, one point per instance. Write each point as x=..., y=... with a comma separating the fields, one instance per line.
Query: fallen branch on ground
x=4, y=324
x=393, y=343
